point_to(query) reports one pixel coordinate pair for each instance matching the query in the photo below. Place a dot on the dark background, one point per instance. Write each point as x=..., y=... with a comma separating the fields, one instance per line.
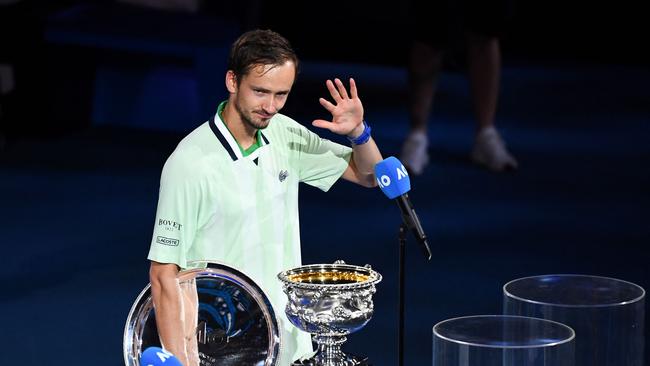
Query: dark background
x=549, y=33
x=84, y=136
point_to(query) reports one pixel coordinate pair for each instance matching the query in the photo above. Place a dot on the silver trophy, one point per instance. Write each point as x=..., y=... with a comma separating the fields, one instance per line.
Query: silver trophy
x=330, y=301
x=234, y=322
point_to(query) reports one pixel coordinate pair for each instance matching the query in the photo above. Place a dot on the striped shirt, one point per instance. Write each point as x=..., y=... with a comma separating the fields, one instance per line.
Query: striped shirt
x=218, y=205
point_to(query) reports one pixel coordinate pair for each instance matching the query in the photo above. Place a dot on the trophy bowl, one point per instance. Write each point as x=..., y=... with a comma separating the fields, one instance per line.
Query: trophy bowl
x=330, y=301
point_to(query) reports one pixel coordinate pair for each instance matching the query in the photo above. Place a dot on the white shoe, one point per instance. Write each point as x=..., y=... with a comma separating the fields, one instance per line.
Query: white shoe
x=414, y=152
x=490, y=151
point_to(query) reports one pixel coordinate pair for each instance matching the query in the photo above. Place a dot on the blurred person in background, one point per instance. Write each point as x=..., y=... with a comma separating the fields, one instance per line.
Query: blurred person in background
x=479, y=24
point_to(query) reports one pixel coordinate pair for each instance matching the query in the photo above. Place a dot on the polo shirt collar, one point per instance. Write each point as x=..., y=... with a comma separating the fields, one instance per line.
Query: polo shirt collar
x=227, y=140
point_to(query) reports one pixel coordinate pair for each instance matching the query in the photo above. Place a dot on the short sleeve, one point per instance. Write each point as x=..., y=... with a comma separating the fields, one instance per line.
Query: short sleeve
x=321, y=161
x=177, y=212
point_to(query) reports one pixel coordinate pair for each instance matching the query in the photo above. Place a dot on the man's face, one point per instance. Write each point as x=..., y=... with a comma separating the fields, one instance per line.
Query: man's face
x=262, y=92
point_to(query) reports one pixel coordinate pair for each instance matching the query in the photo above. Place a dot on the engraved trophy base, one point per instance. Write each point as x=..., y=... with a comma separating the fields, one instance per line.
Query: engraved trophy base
x=329, y=353
x=348, y=360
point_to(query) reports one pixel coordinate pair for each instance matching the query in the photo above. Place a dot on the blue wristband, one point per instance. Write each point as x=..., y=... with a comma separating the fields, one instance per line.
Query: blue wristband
x=364, y=137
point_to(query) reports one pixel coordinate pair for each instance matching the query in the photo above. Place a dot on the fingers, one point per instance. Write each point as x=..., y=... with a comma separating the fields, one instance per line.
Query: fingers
x=333, y=92
x=353, y=89
x=337, y=89
x=341, y=88
x=321, y=123
x=326, y=104
x=328, y=125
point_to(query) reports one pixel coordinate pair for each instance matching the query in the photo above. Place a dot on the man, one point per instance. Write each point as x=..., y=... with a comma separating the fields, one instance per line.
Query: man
x=229, y=192
x=480, y=23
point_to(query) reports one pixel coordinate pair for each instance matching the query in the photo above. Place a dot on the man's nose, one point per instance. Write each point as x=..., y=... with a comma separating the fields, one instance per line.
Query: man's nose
x=270, y=105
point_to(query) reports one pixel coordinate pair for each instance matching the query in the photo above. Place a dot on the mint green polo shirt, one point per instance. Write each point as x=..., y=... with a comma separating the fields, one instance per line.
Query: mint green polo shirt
x=218, y=205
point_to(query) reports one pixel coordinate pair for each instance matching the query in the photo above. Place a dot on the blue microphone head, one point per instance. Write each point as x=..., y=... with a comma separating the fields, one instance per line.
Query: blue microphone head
x=392, y=177
x=156, y=356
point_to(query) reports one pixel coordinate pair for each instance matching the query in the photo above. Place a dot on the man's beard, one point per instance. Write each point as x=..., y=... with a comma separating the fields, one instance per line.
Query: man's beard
x=248, y=119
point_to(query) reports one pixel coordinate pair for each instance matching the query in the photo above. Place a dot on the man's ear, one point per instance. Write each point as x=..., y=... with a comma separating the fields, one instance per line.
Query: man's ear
x=231, y=81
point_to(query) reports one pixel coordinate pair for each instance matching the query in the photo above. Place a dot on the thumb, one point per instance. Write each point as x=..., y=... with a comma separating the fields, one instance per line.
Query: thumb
x=321, y=123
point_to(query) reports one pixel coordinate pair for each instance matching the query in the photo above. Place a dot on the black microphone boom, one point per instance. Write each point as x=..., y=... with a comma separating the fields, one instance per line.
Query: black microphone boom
x=412, y=222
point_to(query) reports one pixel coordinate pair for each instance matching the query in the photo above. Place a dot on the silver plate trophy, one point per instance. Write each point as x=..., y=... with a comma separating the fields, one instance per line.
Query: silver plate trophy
x=330, y=301
x=236, y=324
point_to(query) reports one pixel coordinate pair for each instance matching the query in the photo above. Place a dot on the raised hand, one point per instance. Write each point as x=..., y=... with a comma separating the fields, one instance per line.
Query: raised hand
x=347, y=111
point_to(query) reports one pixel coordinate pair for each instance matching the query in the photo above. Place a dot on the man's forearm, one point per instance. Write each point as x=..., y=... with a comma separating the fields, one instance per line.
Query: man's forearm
x=365, y=157
x=168, y=305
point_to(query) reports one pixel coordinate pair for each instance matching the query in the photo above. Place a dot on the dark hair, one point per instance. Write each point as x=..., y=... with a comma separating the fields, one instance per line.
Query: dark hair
x=259, y=47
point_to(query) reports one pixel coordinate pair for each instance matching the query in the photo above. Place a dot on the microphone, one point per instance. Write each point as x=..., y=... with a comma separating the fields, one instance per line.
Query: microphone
x=394, y=181
x=156, y=356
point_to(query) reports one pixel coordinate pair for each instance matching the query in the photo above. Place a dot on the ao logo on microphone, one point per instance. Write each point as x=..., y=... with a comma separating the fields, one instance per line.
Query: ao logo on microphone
x=384, y=180
x=163, y=355
x=156, y=356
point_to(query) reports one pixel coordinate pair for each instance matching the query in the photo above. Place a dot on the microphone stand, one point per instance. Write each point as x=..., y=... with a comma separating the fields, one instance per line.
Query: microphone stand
x=400, y=287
